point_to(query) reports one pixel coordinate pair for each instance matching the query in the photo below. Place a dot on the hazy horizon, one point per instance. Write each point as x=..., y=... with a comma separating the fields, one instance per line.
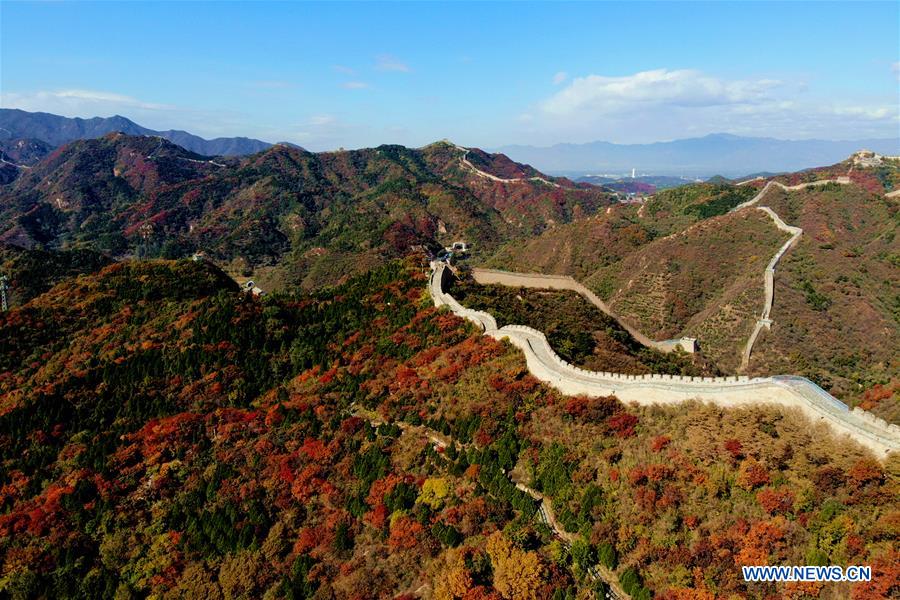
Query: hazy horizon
x=491, y=147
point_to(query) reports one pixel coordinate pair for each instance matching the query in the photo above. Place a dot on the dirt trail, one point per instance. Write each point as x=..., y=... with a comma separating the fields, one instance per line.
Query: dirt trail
x=545, y=508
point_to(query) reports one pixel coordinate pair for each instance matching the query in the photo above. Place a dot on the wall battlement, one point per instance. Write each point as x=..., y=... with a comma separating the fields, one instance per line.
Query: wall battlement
x=788, y=391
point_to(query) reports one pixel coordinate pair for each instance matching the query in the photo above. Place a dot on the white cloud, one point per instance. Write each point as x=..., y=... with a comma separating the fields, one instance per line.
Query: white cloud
x=666, y=104
x=661, y=86
x=560, y=77
x=322, y=120
x=354, y=85
x=75, y=101
x=875, y=113
x=344, y=70
x=386, y=62
x=895, y=67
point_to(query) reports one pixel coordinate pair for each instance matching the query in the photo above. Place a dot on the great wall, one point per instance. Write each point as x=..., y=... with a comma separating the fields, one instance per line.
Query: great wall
x=783, y=390
x=765, y=319
x=563, y=282
x=464, y=160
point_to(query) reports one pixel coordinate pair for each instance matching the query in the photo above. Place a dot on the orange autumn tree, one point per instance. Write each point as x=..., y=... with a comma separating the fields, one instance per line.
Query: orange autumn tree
x=517, y=574
x=453, y=579
x=752, y=475
x=763, y=539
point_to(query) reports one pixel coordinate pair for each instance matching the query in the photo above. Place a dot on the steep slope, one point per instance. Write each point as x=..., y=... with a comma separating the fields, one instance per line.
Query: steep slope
x=317, y=217
x=24, y=151
x=837, y=307
x=33, y=272
x=17, y=155
x=682, y=264
x=82, y=191
x=577, y=330
x=56, y=131
x=702, y=282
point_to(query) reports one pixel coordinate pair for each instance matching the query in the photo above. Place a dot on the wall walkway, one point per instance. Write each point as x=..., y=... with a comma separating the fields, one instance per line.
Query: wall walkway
x=464, y=159
x=563, y=282
x=787, y=391
x=765, y=319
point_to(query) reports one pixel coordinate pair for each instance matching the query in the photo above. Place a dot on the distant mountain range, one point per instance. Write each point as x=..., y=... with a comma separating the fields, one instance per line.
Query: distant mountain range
x=703, y=157
x=56, y=131
x=720, y=153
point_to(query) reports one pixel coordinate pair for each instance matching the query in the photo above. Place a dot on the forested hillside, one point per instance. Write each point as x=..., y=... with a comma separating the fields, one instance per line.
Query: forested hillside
x=165, y=435
x=284, y=216
x=32, y=272
x=837, y=317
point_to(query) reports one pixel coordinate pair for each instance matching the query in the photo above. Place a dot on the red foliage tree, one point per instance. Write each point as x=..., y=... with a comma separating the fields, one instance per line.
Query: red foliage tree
x=865, y=472
x=775, y=501
x=637, y=476
x=405, y=534
x=660, y=442
x=752, y=475
x=622, y=424
x=885, y=582
x=735, y=449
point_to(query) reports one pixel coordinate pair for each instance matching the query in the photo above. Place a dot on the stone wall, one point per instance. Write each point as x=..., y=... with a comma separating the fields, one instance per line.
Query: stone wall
x=791, y=392
x=564, y=282
x=765, y=319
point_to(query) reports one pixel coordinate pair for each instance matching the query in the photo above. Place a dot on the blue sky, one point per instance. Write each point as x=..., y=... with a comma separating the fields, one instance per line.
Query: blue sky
x=485, y=74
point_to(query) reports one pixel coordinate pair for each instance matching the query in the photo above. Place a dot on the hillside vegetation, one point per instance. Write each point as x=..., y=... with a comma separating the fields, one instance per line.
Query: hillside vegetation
x=285, y=214
x=577, y=330
x=33, y=272
x=837, y=307
x=172, y=437
x=704, y=282
x=681, y=264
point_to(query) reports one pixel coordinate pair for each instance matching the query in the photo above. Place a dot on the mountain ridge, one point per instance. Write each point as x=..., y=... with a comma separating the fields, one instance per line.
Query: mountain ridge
x=321, y=212
x=57, y=130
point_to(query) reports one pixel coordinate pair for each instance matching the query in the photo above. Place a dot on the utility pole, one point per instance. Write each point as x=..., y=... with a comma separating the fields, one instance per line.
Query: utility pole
x=4, y=286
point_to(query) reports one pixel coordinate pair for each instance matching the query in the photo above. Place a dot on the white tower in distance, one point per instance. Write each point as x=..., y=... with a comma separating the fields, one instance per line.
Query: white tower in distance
x=632, y=172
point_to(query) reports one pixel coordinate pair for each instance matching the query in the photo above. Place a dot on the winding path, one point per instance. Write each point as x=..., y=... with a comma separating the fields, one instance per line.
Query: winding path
x=162, y=140
x=765, y=319
x=785, y=391
x=464, y=159
x=545, y=506
x=6, y=162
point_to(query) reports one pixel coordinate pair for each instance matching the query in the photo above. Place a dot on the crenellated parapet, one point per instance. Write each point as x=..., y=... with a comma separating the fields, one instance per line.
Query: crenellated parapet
x=787, y=391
